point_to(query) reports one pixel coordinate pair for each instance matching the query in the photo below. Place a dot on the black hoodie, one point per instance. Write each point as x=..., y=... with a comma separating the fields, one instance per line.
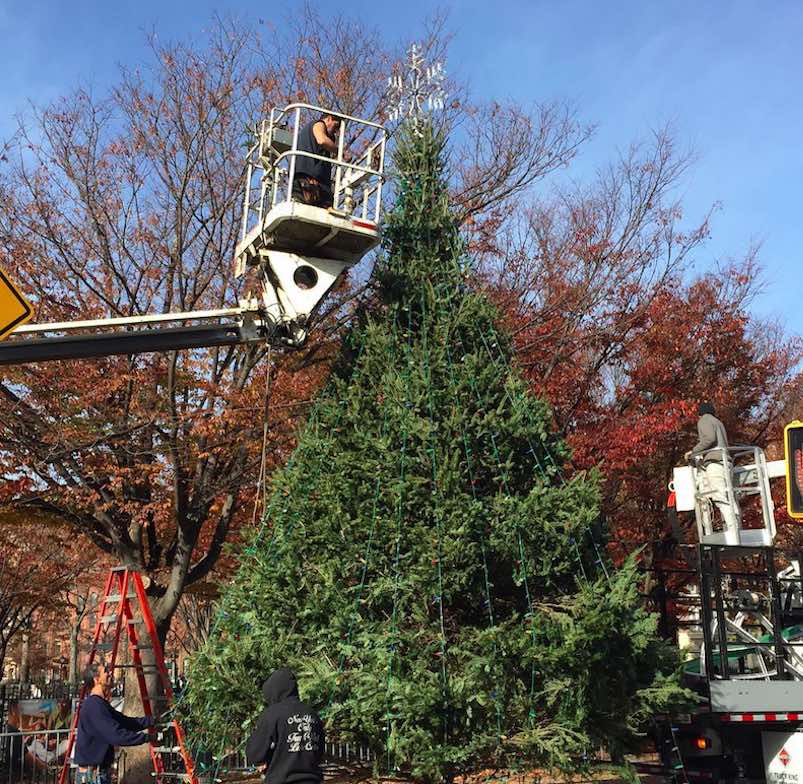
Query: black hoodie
x=289, y=734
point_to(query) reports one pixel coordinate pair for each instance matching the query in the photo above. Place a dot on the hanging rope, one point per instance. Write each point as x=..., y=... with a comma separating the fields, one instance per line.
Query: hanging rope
x=271, y=551
x=389, y=716
x=261, y=488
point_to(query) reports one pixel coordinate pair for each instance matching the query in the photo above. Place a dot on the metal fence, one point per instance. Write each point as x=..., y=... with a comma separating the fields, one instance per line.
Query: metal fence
x=32, y=757
x=36, y=757
x=337, y=755
x=12, y=692
x=37, y=691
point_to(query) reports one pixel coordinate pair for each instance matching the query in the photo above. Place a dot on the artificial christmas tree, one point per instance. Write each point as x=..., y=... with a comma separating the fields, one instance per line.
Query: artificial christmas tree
x=422, y=564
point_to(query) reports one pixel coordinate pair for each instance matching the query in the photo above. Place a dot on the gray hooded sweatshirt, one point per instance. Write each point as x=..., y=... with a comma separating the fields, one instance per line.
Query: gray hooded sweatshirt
x=710, y=433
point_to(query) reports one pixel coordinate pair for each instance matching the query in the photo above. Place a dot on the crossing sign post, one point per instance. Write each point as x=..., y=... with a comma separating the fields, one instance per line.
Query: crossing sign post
x=15, y=310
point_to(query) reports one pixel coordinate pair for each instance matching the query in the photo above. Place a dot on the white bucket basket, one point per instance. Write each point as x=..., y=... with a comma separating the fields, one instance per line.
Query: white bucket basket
x=745, y=476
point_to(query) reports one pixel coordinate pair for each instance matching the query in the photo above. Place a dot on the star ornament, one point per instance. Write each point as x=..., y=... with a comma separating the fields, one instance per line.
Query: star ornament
x=416, y=88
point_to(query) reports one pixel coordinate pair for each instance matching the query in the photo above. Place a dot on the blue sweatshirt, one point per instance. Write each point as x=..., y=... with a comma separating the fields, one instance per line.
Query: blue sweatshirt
x=101, y=728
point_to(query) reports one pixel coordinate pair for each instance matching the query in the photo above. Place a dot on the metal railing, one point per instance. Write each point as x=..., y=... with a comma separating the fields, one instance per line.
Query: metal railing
x=32, y=756
x=737, y=611
x=357, y=185
x=725, y=478
x=337, y=754
x=36, y=757
x=11, y=693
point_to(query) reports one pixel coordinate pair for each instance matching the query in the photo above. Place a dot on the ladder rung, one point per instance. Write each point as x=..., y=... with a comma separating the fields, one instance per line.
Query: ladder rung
x=132, y=621
x=119, y=569
x=115, y=597
x=136, y=666
x=143, y=647
x=167, y=749
x=169, y=774
x=109, y=618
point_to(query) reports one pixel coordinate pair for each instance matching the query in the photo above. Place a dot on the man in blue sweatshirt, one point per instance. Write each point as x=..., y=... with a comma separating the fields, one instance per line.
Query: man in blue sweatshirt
x=101, y=728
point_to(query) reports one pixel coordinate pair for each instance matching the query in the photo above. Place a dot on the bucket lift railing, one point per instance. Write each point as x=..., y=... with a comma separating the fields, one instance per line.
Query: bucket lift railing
x=750, y=593
x=299, y=254
x=746, y=475
x=357, y=184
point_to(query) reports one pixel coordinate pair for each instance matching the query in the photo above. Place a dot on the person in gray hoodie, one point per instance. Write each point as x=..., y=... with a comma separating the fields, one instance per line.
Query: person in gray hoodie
x=288, y=738
x=707, y=454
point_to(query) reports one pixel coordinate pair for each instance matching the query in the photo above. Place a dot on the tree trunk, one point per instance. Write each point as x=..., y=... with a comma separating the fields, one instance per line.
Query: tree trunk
x=24, y=659
x=82, y=606
x=137, y=764
x=3, y=648
x=73, y=676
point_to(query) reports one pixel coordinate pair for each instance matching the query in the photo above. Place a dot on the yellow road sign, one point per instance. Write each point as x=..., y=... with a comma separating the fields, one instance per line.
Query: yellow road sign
x=15, y=310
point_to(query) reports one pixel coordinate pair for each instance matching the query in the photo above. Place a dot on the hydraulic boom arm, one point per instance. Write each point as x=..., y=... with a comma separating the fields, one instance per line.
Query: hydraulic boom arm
x=134, y=335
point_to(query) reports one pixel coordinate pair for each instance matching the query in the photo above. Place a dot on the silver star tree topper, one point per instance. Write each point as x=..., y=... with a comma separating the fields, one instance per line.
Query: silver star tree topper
x=418, y=90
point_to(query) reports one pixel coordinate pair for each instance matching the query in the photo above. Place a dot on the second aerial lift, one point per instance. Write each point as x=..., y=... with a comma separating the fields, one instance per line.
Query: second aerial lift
x=742, y=618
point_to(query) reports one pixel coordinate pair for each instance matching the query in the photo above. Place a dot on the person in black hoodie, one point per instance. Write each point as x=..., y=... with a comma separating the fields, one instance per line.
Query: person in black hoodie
x=288, y=739
x=101, y=728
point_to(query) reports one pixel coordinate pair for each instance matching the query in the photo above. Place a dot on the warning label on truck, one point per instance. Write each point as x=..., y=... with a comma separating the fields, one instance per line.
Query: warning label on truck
x=783, y=757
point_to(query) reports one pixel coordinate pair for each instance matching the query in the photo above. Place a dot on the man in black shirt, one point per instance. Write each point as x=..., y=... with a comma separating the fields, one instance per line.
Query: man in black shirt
x=288, y=739
x=101, y=728
x=312, y=182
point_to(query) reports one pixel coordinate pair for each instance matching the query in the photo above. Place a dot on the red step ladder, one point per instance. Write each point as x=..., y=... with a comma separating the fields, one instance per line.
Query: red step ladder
x=123, y=595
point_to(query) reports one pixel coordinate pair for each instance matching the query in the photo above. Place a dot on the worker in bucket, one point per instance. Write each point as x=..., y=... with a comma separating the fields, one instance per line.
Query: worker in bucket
x=708, y=454
x=287, y=742
x=312, y=181
x=101, y=728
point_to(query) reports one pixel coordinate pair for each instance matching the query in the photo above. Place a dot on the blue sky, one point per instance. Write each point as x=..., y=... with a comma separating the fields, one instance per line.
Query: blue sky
x=728, y=74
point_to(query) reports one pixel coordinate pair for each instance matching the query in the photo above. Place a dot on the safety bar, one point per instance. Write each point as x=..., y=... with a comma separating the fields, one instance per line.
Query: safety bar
x=333, y=161
x=322, y=110
x=337, y=189
x=338, y=162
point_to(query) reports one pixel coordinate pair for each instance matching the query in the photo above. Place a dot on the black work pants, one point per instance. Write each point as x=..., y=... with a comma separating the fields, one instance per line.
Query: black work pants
x=310, y=191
